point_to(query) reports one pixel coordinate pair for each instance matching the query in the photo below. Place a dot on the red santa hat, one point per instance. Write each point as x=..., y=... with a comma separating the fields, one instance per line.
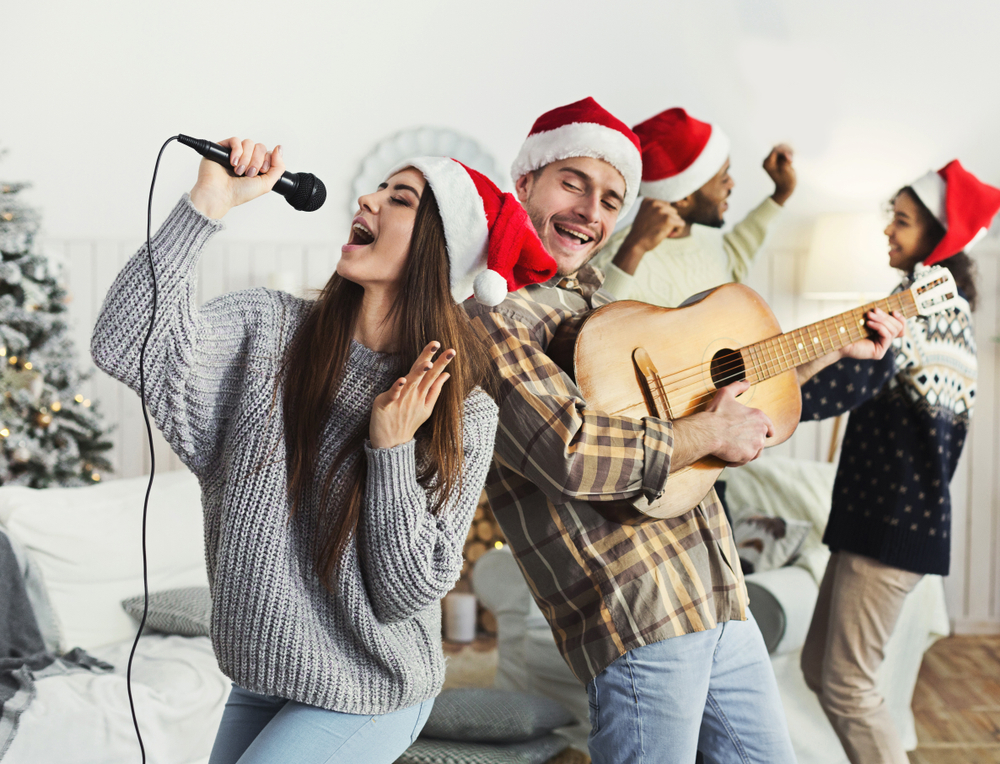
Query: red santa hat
x=680, y=154
x=963, y=204
x=582, y=129
x=492, y=247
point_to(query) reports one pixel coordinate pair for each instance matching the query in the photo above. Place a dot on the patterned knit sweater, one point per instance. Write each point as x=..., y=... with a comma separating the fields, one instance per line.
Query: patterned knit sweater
x=373, y=646
x=908, y=423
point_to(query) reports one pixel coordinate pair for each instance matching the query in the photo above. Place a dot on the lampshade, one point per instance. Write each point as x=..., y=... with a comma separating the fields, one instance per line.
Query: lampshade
x=848, y=259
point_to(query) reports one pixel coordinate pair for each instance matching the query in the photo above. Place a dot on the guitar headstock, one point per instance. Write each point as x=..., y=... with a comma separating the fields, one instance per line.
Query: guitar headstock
x=933, y=289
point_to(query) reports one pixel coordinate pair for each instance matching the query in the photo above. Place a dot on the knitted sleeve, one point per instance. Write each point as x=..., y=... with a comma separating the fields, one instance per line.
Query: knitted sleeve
x=196, y=359
x=743, y=242
x=616, y=281
x=844, y=386
x=410, y=557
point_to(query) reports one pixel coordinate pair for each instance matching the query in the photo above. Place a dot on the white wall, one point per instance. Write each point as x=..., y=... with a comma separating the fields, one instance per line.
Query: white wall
x=870, y=93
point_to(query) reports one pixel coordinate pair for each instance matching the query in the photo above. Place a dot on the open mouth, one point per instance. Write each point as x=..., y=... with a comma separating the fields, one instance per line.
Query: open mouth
x=572, y=235
x=361, y=234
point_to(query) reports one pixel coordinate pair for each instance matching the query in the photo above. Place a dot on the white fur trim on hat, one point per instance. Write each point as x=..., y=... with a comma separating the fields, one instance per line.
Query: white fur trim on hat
x=583, y=139
x=931, y=189
x=463, y=215
x=694, y=176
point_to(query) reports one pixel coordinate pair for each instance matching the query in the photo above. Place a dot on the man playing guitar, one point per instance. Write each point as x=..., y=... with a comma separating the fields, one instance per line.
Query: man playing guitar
x=651, y=617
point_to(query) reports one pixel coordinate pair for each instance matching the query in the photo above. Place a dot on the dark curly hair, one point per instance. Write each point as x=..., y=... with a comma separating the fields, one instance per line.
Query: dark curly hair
x=962, y=267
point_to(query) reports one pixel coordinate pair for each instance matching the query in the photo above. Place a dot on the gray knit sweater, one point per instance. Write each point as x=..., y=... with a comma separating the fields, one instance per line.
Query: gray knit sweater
x=375, y=645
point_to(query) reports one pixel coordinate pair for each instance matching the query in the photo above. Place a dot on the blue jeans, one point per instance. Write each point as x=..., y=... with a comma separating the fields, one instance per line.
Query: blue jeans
x=711, y=691
x=264, y=729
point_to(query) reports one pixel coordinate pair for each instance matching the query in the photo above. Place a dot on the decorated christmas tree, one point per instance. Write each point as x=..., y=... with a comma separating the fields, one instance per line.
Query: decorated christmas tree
x=50, y=435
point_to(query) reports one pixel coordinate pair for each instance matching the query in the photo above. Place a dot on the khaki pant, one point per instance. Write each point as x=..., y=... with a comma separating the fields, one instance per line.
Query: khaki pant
x=858, y=605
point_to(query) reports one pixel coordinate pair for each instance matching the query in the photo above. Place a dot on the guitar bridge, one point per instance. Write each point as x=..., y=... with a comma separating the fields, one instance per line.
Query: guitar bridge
x=652, y=387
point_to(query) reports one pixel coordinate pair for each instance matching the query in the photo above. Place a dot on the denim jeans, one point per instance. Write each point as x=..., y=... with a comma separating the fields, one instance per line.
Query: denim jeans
x=264, y=729
x=711, y=691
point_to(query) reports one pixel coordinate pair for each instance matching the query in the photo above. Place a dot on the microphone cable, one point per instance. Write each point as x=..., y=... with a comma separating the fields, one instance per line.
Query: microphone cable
x=152, y=454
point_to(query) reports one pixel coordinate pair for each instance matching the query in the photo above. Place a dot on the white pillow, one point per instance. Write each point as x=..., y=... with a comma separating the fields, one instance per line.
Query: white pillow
x=87, y=541
x=782, y=486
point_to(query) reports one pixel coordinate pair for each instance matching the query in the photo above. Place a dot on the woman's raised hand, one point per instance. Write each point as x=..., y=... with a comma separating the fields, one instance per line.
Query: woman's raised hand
x=257, y=170
x=400, y=410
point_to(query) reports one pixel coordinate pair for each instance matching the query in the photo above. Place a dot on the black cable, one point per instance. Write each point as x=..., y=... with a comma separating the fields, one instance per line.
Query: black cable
x=152, y=455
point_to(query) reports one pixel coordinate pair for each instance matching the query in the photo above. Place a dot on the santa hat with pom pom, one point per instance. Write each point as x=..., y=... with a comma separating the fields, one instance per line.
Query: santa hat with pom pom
x=963, y=204
x=582, y=129
x=492, y=246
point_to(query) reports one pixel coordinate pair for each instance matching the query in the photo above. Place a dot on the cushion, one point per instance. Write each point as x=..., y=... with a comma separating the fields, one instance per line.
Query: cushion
x=535, y=751
x=186, y=611
x=765, y=543
x=87, y=542
x=484, y=715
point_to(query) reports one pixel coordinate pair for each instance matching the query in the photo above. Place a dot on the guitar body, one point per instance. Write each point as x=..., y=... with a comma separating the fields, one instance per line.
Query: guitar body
x=693, y=350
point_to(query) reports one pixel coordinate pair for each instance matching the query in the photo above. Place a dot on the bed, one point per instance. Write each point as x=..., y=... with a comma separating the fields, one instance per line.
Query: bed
x=85, y=544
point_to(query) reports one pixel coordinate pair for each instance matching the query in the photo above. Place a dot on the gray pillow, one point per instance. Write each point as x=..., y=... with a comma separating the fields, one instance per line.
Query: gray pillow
x=483, y=715
x=535, y=751
x=187, y=611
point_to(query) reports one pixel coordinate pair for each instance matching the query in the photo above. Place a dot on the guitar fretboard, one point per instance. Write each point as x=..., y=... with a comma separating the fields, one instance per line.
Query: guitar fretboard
x=775, y=355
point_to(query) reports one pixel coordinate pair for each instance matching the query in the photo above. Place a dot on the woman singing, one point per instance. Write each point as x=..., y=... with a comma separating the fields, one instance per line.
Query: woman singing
x=341, y=445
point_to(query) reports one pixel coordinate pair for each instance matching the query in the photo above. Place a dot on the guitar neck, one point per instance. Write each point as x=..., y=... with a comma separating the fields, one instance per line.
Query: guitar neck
x=775, y=355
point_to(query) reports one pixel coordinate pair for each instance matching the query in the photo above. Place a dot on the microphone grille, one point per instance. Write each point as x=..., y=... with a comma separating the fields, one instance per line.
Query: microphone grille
x=309, y=194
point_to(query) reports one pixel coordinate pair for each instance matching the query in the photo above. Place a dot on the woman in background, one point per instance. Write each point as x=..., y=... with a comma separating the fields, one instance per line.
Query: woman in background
x=341, y=445
x=891, y=515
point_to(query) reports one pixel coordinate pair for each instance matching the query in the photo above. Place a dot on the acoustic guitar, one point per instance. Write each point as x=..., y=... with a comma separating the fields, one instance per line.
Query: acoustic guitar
x=632, y=359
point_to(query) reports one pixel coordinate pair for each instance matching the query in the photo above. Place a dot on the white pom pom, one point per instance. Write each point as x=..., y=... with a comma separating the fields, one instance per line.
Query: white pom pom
x=490, y=288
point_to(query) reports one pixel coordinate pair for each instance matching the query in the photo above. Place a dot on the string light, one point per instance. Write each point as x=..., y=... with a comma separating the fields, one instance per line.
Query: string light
x=12, y=360
x=4, y=432
x=498, y=545
x=56, y=405
x=28, y=366
x=78, y=398
x=87, y=402
x=95, y=477
x=3, y=350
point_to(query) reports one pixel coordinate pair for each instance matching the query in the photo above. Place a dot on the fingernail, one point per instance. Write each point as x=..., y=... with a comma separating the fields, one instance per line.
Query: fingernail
x=451, y=354
x=240, y=169
x=251, y=172
x=428, y=368
x=266, y=167
x=281, y=153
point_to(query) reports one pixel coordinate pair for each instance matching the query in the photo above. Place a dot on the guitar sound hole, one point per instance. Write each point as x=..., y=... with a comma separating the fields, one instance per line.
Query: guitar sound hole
x=727, y=367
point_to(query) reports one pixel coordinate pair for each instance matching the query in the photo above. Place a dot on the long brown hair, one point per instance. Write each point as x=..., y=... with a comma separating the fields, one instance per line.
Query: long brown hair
x=314, y=364
x=962, y=267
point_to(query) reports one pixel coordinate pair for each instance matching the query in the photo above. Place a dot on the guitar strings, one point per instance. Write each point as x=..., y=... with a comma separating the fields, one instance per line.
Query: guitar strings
x=764, y=350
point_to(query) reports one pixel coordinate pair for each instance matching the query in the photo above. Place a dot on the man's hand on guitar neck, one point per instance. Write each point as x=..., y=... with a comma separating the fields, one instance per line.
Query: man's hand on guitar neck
x=727, y=429
x=885, y=327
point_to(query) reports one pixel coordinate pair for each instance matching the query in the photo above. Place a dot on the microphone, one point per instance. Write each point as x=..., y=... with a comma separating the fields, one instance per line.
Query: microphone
x=303, y=190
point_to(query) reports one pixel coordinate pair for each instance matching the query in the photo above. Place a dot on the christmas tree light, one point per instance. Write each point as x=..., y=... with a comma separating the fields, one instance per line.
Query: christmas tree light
x=42, y=442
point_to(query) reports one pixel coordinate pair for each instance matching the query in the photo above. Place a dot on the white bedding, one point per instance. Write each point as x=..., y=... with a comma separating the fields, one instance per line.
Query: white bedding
x=84, y=718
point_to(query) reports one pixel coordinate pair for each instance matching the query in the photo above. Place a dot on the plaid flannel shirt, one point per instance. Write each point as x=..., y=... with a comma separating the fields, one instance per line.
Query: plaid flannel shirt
x=605, y=588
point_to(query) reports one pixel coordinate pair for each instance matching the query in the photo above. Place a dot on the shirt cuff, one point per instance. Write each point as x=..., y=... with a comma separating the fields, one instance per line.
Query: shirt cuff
x=766, y=211
x=617, y=281
x=658, y=447
x=392, y=471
